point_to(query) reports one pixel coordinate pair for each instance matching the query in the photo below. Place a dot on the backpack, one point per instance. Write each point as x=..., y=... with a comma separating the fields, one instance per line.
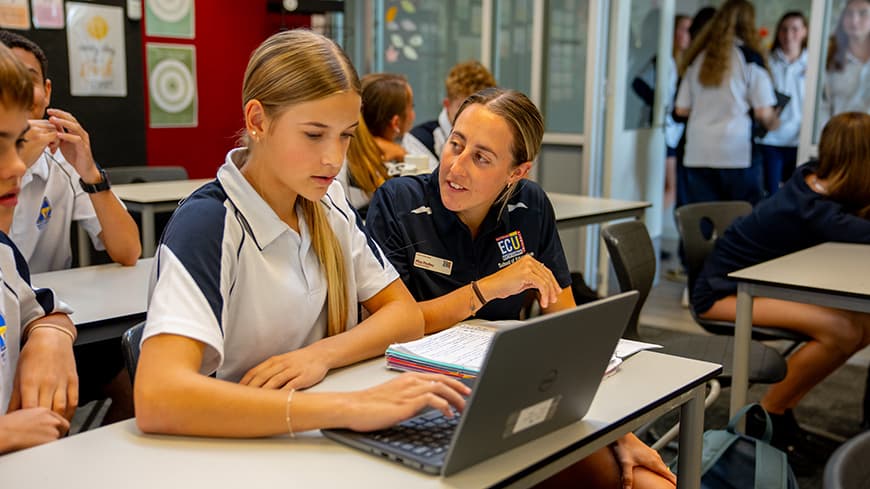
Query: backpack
x=732, y=460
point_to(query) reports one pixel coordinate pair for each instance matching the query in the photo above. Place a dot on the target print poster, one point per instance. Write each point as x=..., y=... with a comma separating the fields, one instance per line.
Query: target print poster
x=97, y=58
x=172, y=85
x=169, y=18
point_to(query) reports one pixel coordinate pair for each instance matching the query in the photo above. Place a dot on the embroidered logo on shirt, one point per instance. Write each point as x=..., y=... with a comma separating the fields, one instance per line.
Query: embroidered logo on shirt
x=511, y=247
x=432, y=263
x=44, y=214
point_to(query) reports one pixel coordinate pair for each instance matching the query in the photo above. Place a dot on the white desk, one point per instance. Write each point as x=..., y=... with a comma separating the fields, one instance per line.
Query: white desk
x=830, y=274
x=578, y=210
x=132, y=460
x=152, y=197
x=106, y=299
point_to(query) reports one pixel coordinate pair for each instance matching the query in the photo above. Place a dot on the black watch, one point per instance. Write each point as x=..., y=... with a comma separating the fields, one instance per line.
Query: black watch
x=102, y=185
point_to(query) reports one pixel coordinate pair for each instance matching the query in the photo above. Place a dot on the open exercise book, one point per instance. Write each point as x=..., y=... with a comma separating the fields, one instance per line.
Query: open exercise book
x=460, y=350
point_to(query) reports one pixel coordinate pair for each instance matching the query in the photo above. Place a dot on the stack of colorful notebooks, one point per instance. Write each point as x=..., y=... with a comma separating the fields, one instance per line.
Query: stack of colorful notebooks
x=457, y=352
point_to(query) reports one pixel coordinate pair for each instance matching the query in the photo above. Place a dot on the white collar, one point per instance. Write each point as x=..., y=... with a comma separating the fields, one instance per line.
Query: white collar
x=39, y=169
x=444, y=122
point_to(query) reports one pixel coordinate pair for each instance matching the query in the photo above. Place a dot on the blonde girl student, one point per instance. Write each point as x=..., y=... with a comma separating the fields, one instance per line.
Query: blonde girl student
x=847, y=68
x=260, y=273
x=38, y=382
x=388, y=110
x=474, y=237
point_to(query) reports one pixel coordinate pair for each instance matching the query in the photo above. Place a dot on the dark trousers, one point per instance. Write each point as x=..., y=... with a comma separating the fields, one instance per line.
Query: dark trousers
x=714, y=184
x=778, y=163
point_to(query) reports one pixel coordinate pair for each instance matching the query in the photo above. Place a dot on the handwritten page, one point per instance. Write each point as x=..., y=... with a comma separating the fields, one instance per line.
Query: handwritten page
x=464, y=345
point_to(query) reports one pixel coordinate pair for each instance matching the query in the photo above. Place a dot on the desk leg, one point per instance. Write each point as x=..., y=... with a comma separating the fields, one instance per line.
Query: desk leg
x=84, y=245
x=742, y=339
x=149, y=240
x=691, y=440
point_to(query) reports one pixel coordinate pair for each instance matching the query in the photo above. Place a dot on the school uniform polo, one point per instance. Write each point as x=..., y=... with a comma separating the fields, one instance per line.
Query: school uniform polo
x=233, y=276
x=433, y=135
x=50, y=199
x=792, y=219
x=846, y=90
x=414, y=146
x=788, y=78
x=719, y=130
x=20, y=305
x=434, y=253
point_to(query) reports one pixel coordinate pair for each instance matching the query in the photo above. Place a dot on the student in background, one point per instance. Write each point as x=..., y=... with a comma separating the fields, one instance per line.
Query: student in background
x=260, y=274
x=363, y=171
x=724, y=78
x=476, y=238
x=64, y=184
x=847, y=70
x=38, y=383
x=825, y=200
x=463, y=80
x=388, y=111
x=59, y=160
x=788, y=65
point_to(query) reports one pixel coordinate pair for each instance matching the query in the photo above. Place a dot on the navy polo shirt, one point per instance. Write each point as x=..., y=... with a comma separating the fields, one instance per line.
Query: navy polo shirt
x=434, y=253
x=790, y=220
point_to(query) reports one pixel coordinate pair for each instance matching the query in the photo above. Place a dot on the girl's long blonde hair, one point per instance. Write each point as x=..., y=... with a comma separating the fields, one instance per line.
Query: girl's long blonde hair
x=364, y=163
x=289, y=68
x=734, y=20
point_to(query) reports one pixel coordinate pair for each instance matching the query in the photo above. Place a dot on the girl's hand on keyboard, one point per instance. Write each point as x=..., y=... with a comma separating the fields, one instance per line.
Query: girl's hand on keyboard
x=387, y=404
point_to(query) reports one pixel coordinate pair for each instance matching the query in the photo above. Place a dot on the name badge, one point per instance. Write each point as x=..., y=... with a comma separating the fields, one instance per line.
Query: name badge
x=432, y=263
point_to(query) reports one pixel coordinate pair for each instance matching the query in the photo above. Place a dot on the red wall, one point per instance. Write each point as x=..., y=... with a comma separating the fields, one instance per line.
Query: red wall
x=226, y=33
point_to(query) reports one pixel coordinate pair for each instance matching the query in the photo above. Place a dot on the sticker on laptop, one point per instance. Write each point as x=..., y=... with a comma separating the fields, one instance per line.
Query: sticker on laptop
x=432, y=263
x=530, y=416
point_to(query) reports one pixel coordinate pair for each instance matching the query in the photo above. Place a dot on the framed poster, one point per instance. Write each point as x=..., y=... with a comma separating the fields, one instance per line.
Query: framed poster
x=97, y=58
x=169, y=18
x=172, y=96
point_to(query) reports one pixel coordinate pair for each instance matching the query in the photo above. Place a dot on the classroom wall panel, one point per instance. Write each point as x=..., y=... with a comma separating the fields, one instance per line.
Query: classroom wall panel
x=226, y=33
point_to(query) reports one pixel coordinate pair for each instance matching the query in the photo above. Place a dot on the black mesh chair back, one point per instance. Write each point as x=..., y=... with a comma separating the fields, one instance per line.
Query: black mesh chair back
x=140, y=174
x=634, y=261
x=700, y=225
x=130, y=345
x=848, y=468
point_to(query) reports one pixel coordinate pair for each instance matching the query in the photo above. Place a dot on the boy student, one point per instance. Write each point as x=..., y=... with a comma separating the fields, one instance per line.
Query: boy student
x=63, y=184
x=38, y=384
x=463, y=80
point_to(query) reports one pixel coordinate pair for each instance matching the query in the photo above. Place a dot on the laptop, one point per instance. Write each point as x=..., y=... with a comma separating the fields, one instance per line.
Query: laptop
x=537, y=377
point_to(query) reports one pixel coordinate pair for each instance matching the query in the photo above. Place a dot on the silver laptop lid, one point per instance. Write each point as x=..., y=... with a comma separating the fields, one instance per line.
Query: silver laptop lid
x=538, y=377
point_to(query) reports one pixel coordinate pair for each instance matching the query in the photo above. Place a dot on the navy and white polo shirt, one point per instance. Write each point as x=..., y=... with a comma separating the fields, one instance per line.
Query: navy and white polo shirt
x=21, y=304
x=232, y=275
x=719, y=130
x=434, y=253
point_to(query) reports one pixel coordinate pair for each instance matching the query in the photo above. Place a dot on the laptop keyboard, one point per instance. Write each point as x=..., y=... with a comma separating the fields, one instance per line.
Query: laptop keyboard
x=426, y=435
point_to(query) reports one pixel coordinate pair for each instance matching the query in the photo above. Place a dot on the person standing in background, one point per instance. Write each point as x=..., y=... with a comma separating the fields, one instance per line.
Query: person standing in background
x=788, y=66
x=724, y=79
x=847, y=70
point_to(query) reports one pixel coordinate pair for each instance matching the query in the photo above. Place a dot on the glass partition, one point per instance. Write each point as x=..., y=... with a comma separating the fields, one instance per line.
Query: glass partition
x=423, y=40
x=513, y=44
x=565, y=66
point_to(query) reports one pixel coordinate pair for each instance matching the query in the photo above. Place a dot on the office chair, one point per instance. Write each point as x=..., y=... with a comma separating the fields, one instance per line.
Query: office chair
x=848, y=468
x=700, y=225
x=633, y=257
x=130, y=344
x=140, y=174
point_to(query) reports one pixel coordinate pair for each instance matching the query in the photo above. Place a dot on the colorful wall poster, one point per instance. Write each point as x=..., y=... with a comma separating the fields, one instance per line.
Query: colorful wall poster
x=169, y=18
x=97, y=57
x=14, y=14
x=172, y=85
x=47, y=14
